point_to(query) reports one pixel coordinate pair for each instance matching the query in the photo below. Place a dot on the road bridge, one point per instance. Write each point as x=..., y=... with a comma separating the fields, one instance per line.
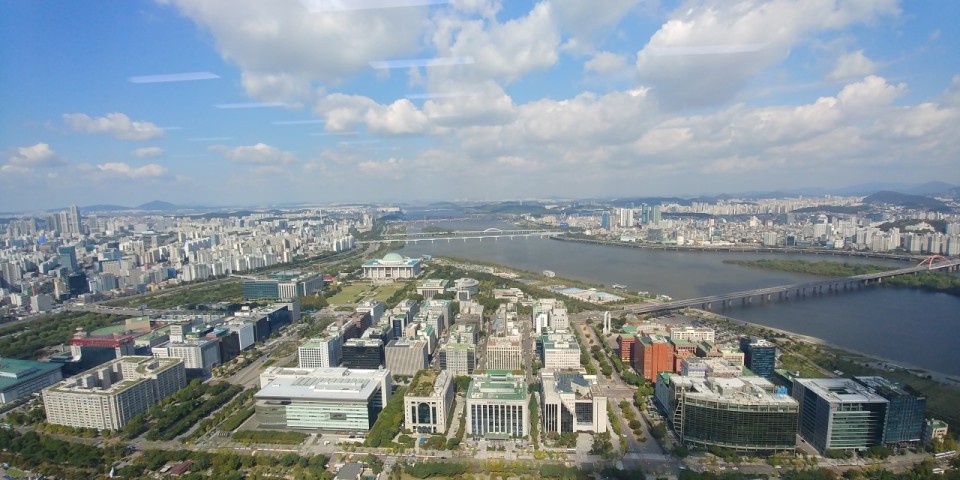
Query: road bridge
x=489, y=231
x=482, y=235
x=800, y=289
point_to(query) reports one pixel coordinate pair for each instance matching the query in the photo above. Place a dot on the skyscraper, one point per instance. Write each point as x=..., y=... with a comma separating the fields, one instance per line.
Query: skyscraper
x=68, y=257
x=75, y=220
x=626, y=217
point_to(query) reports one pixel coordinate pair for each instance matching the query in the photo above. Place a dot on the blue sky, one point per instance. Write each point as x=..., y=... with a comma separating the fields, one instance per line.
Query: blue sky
x=480, y=100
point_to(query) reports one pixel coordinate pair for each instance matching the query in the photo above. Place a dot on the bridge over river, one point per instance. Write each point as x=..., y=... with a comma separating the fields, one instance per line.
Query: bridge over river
x=800, y=289
x=463, y=235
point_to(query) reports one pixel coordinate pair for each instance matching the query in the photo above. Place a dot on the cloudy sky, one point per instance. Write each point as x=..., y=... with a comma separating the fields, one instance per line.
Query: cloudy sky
x=253, y=102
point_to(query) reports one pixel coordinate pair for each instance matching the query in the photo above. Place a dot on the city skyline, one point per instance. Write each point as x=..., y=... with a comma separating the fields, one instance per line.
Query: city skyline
x=221, y=102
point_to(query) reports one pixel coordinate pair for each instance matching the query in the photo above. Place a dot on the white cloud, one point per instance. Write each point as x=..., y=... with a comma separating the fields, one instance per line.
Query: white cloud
x=115, y=124
x=606, y=63
x=151, y=170
x=260, y=154
x=852, y=65
x=148, y=152
x=503, y=51
x=399, y=118
x=389, y=167
x=746, y=38
x=282, y=48
x=39, y=155
x=586, y=20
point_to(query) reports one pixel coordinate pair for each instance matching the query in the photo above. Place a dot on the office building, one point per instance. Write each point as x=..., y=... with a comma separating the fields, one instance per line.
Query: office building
x=106, y=399
x=375, y=308
x=497, y=406
x=463, y=333
x=701, y=367
x=406, y=357
x=362, y=354
x=19, y=378
x=68, y=257
x=458, y=358
x=839, y=413
x=330, y=399
x=550, y=312
x=199, y=354
x=934, y=430
x=465, y=288
x=571, y=402
x=626, y=344
x=904, y=419
x=743, y=414
x=321, y=352
x=431, y=287
x=392, y=266
x=428, y=403
x=692, y=334
x=559, y=351
x=654, y=355
x=504, y=353
x=759, y=355
x=286, y=285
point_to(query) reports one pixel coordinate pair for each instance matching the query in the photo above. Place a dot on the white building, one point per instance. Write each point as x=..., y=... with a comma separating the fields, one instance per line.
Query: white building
x=406, y=357
x=560, y=351
x=321, y=352
x=391, y=267
x=504, y=353
x=106, y=399
x=200, y=354
x=329, y=399
x=692, y=334
x=572, y=402
x=497, y=406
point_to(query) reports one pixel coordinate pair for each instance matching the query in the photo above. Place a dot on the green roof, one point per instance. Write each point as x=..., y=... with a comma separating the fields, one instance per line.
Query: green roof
x=497, y=385
x=422, y=384
x=14, y=371
x=632, y=329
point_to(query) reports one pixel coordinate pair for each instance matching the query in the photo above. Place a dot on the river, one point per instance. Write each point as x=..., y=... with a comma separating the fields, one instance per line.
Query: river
x=912, y=327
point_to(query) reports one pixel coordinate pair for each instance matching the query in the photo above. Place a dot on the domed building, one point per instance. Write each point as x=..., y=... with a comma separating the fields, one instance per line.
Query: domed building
x=391, y=267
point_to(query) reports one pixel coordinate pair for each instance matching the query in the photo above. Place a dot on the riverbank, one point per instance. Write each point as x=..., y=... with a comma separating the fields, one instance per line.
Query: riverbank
x=742, y=249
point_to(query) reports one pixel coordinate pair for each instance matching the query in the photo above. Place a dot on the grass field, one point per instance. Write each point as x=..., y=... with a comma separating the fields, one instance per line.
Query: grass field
x=359, y=292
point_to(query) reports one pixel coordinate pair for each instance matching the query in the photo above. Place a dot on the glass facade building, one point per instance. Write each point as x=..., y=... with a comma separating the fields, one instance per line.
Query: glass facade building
x=905, y=409
x=744, y=414
x=839, y=414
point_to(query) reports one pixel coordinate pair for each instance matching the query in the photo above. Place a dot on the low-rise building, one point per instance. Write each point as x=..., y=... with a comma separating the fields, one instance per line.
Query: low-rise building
x=428, y=402
x=432, y=286
x=392, y=266
x=109, y=397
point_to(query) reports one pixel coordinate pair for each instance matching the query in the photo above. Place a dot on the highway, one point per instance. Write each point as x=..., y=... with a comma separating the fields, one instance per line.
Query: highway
x=833, y=285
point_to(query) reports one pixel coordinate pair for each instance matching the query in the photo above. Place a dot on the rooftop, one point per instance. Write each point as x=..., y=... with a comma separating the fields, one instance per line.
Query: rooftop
x=840, y=390
x=428, y=383
x=497, y=385
x=14, y=371
x=146, y=367
x=323, y=383
x=741, y=390
x=433, y=283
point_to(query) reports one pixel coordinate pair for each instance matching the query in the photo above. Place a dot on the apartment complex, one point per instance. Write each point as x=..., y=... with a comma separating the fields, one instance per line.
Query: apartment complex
x=118, y=391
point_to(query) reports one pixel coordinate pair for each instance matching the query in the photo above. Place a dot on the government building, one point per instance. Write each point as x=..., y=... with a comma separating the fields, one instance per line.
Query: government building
x=107, y=398
x=392, y=266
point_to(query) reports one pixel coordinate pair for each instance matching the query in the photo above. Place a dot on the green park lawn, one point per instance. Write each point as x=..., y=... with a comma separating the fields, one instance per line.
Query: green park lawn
x=358, y=292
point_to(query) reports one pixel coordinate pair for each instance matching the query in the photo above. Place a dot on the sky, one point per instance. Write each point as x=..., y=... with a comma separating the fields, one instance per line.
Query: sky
x=253, y=102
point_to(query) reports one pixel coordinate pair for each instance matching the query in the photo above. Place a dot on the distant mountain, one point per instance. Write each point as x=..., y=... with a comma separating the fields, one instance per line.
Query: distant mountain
x=103, y=208
x=159, y=206
x=930, y=188
x=906, y=200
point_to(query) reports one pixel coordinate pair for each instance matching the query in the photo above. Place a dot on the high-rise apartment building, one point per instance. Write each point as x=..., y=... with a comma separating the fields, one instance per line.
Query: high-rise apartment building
x=109, y=397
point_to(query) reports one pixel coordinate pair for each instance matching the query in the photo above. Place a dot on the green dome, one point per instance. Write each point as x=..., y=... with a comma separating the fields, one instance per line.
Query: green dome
x=393, y=257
